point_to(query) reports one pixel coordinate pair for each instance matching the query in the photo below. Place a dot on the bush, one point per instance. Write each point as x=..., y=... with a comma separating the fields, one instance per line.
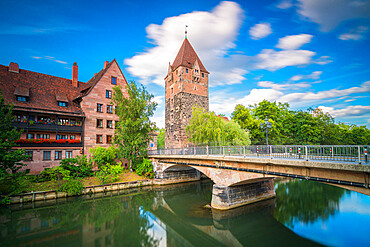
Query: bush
x=103, y=156
x=78, y=166
x=72, y=187
x=54, y=174
x=145, y=168
x=109, y=173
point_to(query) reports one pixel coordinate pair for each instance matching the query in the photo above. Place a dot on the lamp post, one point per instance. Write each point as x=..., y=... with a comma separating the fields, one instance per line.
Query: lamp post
x=266, y=126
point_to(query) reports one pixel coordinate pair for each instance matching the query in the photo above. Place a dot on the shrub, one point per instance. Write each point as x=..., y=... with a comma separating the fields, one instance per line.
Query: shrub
x=78, y=166
x=109, y=173
x=103, y=156
x=54, y=174
x=145, y=168
x=72, y=187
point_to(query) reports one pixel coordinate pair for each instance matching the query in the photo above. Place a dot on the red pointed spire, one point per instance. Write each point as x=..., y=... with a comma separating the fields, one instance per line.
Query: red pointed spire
x=187, y=56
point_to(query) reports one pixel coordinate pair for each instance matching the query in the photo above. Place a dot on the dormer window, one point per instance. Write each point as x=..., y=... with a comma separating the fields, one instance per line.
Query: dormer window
x=22, y=94
x=62, y=103
x=114, y=80
x=22, y=98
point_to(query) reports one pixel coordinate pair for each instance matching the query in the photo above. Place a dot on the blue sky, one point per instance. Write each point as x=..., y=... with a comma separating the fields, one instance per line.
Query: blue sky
x=309, y=53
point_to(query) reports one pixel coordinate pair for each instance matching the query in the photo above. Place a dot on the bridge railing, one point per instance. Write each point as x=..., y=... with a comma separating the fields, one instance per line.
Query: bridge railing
x=342, y=153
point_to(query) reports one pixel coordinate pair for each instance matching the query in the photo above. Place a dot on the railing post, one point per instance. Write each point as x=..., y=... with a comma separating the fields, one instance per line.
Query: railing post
x=359, y=155
x=207, y=151
x=270, y=151
x=244, y=151
x=305, y=148
x=223, y=151
x=195, y=152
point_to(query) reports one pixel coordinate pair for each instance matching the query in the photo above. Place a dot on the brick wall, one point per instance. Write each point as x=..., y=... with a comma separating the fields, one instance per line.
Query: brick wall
x=89, y=107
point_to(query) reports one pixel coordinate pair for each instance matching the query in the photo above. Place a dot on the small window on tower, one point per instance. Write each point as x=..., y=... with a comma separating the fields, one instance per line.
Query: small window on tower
x=202, y=74
x=171, y=90
x=186, y=70
x=195, y=88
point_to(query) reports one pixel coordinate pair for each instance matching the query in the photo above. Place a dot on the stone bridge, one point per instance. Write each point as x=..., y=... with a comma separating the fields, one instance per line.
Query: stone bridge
x=239, y=181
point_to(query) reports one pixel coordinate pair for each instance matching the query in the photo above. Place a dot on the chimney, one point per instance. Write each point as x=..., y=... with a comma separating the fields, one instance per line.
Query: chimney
x=106, y=64
x=14, y=67
x=75, y=75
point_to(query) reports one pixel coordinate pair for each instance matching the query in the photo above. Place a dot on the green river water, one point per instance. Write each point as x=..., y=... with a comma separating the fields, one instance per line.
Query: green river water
x=304, y=213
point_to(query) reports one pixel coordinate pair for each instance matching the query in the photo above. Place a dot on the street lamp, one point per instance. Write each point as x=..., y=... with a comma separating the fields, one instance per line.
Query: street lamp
x=266, y=126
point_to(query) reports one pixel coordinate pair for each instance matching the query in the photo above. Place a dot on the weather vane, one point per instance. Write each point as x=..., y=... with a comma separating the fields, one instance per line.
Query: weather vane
x=186, y=31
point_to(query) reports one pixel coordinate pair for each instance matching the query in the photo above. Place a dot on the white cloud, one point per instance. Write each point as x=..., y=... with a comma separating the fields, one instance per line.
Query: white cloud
x=314, y=76
x=294, y=42
x=50, y=58
x=284, y=4
x=284, y=86
x=333, y=93
x=323, y=60
x=159, y=100
x=212, y=34
x=354, y=34
x=329, y=14
x=353, y=110
x=260, y=30
x=273, y=60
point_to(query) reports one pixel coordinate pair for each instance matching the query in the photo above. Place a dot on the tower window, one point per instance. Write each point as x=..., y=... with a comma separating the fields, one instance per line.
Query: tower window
x=171, y=90
x=202, y=74
x=186, y=70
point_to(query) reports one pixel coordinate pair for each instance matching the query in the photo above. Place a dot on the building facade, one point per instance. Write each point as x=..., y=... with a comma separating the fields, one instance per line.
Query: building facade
x=186, y=85
x=61, y=118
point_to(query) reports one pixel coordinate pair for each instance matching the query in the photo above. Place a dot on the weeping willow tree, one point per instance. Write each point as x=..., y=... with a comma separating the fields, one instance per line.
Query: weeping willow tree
x=206, y=128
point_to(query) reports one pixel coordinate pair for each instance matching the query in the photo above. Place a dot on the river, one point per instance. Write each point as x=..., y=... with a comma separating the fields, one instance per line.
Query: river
x=304, y=213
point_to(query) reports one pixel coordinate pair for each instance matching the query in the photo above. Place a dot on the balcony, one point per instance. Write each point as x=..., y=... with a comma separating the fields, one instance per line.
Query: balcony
x=47, y=127
x=48, y=143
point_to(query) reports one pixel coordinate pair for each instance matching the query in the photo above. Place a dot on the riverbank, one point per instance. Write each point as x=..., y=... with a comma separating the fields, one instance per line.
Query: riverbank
x=49, y=190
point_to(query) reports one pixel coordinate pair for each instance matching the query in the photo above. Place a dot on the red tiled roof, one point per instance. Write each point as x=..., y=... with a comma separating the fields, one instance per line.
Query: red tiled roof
x=187, y=57
x=43, y=90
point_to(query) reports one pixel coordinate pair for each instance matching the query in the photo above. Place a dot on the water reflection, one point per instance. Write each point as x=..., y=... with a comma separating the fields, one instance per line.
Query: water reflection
x=305, y=201
x=171, y=216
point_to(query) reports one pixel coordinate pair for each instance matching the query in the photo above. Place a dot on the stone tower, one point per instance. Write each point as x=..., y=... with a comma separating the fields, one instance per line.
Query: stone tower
x=186, y=86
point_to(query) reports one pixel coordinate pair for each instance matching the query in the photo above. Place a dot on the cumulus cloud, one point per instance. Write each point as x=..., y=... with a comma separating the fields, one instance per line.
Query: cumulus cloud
x=273, y=60
x=329, y=14
x=260, y=30
x=285, y=4
x=354, y=34
x=294, y=42
x=314, y=76
x=212, y=34
x=353, y=110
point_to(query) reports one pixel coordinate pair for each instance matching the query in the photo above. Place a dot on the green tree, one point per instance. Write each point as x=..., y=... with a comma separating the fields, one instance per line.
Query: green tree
x=134, y=126
x=160, y=139
x=208, y=128
x=10, y=159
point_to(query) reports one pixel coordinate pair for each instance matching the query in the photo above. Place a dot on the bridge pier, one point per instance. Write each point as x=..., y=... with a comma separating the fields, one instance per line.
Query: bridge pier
x=227, y=197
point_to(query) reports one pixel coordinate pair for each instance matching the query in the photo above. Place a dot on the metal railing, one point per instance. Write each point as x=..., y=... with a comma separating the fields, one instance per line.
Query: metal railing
x=341, y=153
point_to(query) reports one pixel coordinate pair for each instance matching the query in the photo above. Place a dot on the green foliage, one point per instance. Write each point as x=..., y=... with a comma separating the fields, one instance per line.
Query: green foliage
x=102, y=156
x=55, y=174
x=145, y=168
x=72, y=187
x=5, y=201
x=134, y=126
x=208, y=128
x=109, y=173
x=311, y=127
x=10, y=160
x=160, y=139
x=78, y=166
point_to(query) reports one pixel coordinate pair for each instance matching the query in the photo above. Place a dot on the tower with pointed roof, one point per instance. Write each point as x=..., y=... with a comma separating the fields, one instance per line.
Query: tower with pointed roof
x=186, y=86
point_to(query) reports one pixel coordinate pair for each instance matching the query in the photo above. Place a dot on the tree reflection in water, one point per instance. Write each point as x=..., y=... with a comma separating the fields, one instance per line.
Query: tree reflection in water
x=305, y=201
